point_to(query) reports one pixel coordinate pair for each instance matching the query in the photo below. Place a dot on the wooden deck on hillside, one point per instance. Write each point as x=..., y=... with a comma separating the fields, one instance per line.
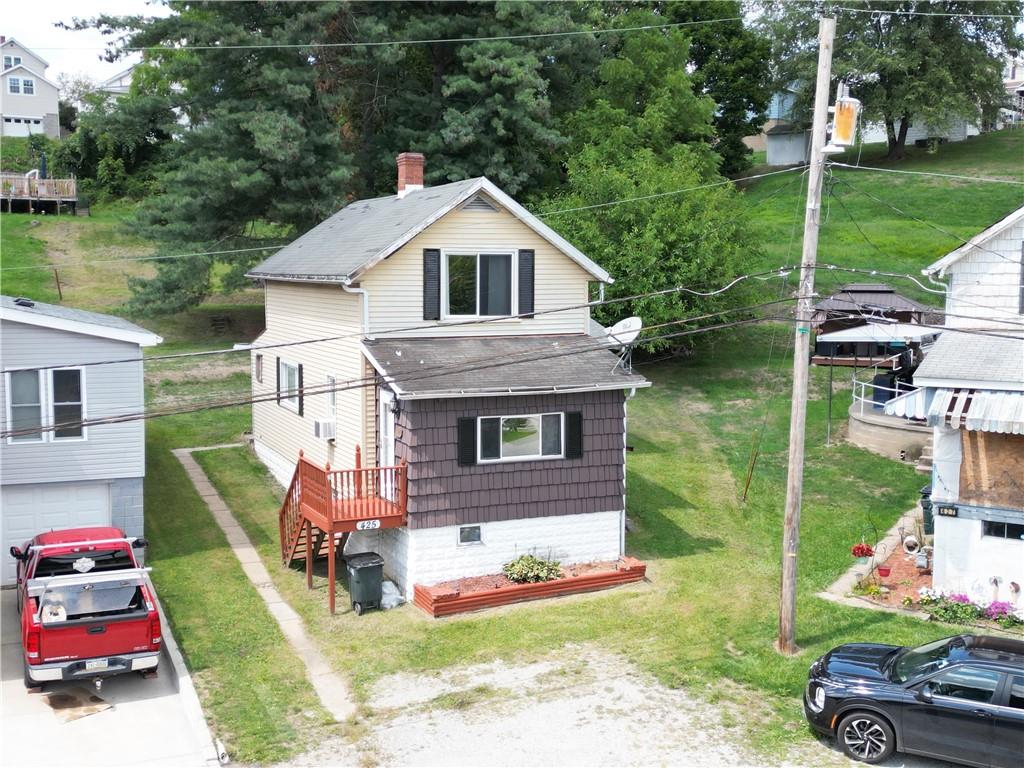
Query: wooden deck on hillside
x=37, y=194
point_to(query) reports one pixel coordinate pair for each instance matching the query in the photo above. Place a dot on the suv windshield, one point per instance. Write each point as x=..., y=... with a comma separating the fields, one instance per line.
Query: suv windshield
x=924, y=659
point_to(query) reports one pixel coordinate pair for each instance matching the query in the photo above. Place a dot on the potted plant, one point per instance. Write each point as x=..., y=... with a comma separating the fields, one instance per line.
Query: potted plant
x=862, y=552
x=884, y=571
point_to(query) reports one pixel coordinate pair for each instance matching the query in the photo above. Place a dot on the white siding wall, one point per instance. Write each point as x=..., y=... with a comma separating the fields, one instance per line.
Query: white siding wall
x=38, y=105
x=111, y=450
x=396, y=284
x=988, y=285
x=297, y=311
x=965, y=561
x=28, y=59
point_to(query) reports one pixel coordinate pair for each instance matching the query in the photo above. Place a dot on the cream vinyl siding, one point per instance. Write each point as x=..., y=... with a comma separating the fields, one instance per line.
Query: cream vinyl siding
x=396, y=284
x=297, y=311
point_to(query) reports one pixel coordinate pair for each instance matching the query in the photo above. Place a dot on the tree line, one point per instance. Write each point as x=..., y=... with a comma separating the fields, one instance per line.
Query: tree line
x=250, y=122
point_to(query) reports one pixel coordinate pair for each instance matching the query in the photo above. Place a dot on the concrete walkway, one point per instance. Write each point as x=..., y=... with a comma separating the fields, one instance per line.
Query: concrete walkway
x=333, y=690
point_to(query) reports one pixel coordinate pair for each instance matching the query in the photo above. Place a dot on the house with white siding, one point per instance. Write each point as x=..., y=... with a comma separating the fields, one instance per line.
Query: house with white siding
x=445, y=412
x=60, y=466
x=28, y=100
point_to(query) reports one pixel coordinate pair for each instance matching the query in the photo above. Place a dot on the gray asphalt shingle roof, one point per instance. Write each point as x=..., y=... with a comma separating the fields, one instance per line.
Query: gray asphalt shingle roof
x=75, y=315
x=336, y=247
x=875, y=294
x=974, y=357
x=499, y=365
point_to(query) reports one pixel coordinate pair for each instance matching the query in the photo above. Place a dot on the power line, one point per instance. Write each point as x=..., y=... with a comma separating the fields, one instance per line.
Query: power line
x=880, y=11
x=420, y=327
x=379, y=43
x=956, y=176
x=354, y=384
x=621, y=201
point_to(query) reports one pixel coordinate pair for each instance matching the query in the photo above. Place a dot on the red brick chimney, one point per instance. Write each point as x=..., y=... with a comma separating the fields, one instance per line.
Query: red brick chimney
x=410, y=172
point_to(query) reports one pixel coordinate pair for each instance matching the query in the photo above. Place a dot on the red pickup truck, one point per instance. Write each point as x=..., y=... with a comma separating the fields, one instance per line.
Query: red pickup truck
x=87, y=608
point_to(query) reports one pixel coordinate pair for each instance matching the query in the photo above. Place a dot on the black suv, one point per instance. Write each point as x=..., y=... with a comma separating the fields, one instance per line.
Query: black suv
x=959, y=699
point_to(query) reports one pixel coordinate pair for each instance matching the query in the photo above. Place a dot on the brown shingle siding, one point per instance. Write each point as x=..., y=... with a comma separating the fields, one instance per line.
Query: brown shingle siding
x=443, y=493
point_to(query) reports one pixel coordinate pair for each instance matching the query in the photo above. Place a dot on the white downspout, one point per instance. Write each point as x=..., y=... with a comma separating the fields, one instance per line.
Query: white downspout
x=365, y=304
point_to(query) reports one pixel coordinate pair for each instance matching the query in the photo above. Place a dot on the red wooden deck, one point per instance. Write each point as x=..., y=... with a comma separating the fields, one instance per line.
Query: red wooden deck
x=338, y=502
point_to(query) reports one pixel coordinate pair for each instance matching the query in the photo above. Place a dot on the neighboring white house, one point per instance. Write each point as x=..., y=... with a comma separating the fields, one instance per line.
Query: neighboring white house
x=972, y=387
x=28, y=100
x=119, y=85
x=986, y=277
x=54, y=476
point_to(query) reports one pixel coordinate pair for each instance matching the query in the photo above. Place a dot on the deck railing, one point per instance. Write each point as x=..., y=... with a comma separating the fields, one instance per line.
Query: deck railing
x=18, y=185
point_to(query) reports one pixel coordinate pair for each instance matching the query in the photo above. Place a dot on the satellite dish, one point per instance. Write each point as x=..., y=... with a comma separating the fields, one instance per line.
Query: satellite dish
x=625, y=331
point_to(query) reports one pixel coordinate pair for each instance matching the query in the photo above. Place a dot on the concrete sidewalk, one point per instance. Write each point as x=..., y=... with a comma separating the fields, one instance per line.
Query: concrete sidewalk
x=332, y=690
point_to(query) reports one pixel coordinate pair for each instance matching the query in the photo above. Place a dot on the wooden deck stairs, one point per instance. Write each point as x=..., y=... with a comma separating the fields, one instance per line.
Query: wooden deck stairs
x=324, y=506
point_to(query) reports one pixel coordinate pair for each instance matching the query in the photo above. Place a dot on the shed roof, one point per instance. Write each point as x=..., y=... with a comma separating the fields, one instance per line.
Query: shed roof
x=365, y=232
x=425, y=368
x=974, y=359
x=848, y=297
x=882, y=333
x=75, y=321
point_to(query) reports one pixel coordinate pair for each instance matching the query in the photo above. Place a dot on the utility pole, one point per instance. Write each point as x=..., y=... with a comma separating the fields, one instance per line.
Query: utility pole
x=801, y=345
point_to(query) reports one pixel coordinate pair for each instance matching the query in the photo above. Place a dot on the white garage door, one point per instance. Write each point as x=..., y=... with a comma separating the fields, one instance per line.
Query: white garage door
x=30, y=509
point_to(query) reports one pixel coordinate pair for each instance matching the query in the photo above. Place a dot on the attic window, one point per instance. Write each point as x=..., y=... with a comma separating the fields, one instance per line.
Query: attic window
x=480, y=203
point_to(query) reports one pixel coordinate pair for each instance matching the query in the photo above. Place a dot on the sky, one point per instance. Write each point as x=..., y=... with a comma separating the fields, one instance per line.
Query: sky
x=70, y=52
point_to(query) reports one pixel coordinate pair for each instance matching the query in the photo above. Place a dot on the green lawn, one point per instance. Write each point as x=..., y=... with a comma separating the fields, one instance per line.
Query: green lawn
x=20, y=247
x=710, y=610
x=962, y=208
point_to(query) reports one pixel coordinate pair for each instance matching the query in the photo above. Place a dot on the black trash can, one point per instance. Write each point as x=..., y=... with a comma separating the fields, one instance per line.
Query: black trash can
x=365, y=580
x=926, y=510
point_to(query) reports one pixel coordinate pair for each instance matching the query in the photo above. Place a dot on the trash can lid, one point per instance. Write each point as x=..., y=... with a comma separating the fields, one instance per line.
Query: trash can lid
x=364, y=560
x=927, y=490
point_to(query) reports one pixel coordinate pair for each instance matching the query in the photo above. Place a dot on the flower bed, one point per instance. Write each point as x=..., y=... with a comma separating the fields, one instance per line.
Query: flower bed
x=479, y=592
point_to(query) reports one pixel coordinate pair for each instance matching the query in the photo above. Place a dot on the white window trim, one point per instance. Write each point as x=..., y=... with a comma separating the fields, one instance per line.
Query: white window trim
x=535, y=457
x=458, y=536
x=47, y=416
x=14, y=85
x=332, y=397
x=291, y=402
x=52, y=405
x=28, y=82
x=498, y=251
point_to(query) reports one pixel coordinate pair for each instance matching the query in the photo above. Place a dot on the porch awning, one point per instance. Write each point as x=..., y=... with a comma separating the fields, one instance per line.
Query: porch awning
x=881, y=333
x=910, y=405
x=978, y=410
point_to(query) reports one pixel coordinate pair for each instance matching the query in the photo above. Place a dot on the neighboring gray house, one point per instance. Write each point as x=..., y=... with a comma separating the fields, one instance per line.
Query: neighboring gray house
x=28, y=100
x=77, y=475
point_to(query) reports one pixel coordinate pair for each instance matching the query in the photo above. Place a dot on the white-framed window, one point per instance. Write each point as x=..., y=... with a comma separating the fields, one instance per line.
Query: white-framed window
x=11, y=61
x=514, y=438
x=39, y=399
x=258, y=365
x=481, y=284
x=28, y=86
x=67, y=404
x=470, y=535
x=14, y=85
x=288, y=385
x=25, y=405
x=332, y=397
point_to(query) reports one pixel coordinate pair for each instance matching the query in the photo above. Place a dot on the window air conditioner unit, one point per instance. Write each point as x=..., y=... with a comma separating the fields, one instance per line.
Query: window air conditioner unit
x=323, y=430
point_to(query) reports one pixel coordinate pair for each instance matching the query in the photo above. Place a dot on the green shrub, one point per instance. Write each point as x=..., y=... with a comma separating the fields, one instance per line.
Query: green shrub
x=530, y=569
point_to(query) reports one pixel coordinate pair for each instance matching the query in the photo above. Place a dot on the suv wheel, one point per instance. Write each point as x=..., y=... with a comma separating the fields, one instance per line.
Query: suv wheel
x=866, y=737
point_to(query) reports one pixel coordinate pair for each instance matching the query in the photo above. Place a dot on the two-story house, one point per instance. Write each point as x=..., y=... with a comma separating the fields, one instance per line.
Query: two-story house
x=60, y=466
x=28, y=100
x=445, y=340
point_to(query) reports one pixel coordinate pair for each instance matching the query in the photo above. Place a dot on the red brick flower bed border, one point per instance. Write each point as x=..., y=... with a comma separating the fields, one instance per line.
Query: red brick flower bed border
x=444, y=601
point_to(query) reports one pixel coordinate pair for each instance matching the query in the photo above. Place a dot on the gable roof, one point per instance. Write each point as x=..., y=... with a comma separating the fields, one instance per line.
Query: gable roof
x=32, y=72
x=953, y=257
x=365, y=232
x=849, y=297
x=13, y=41
x=76, y=321
x=972, y=359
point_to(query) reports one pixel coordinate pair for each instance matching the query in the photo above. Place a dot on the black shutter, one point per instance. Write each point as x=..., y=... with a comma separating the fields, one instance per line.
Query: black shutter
x=574, y=435
x=431, y=284
x=526, y=283
x=277, y=379
x=300, y=390
x=467, y=442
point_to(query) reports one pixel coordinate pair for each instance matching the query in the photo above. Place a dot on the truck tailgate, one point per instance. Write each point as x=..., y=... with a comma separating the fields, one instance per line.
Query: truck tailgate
x=86, y=639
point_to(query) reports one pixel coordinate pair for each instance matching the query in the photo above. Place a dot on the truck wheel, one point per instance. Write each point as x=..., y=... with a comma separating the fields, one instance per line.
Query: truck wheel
x=358, y=608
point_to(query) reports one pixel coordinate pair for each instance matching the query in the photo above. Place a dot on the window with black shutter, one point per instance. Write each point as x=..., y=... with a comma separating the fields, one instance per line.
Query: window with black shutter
x=431, y=284
x=573, y=435
x=526, y=283
x=467, y=441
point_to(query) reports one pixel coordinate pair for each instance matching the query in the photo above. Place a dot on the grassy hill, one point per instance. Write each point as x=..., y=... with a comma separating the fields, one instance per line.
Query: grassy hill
x=850, y=218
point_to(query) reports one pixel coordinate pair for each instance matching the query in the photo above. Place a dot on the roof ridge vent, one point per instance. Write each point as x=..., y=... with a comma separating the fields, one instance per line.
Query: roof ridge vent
x=21, y=301
x=480, y=202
